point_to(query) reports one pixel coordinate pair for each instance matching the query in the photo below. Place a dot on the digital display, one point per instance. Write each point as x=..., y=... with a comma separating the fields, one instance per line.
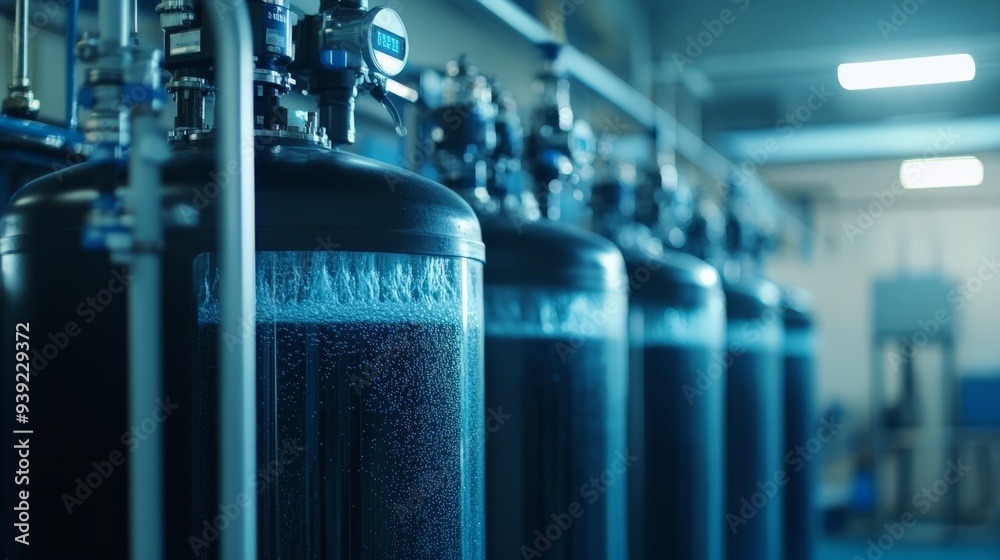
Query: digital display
x=389, y=43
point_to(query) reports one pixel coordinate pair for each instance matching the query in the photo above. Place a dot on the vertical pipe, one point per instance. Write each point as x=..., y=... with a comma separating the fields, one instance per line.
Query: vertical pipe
x=113, y=21
x=22, y=16
x=237, y=385
x=71, y=36
x=145, y=338
x=877, y=428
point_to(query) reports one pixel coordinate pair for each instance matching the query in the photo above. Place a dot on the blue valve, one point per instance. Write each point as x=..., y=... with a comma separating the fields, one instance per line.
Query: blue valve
x=132, y=95
x=106, y=227
x=135, y=94
x=86, y=98
x=333, y=59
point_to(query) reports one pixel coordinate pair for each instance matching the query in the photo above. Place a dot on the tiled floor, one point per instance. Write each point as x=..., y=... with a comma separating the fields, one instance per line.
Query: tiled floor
x=851, y=550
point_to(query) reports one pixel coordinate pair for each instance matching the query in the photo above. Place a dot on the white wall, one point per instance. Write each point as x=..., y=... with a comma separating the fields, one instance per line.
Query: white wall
x=47, y=58
x=946, y=231
x=45, y=62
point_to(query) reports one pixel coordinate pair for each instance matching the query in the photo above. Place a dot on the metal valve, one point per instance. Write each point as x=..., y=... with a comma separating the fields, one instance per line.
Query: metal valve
x=356, y=50
x=379, y=37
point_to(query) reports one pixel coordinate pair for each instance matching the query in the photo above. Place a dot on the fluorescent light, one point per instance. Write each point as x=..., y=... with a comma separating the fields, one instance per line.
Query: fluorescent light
x=907, y=72
x=406, y=92
x=942, y=172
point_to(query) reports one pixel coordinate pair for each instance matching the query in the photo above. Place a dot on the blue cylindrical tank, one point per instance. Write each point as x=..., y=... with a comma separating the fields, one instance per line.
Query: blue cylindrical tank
x=369, y=344
x=369, y=341
x=801, y=425
x=29, y=150
x=756, y=473
x=556, y=379
x=676, y=338
x=556, y=384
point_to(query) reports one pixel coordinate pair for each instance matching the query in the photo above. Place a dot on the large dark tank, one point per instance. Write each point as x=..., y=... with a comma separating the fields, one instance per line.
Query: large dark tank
x=801, y=425
x=369, y=356
x=756, y=474
x=30, y=149
x=556, y=381
x=676, y=336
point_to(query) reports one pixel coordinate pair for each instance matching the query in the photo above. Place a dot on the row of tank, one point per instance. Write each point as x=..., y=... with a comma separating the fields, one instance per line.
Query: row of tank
x=439, y=376
x=718, y=393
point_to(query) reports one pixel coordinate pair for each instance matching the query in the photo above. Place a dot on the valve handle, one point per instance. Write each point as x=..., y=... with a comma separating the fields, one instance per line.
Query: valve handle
x=381, y=94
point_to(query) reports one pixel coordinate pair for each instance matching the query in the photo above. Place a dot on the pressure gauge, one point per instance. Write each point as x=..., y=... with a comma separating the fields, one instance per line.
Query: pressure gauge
x=386, y=46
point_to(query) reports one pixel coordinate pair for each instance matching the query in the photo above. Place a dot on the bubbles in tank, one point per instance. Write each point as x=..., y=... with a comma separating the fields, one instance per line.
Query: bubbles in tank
x=370, y=419
x=553, y=313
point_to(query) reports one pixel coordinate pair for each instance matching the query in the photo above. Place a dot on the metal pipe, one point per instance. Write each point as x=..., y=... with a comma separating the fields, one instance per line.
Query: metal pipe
x=616, y=91
x=72, y=18
x=22, y=16
x=114, y=21
x=237, y=384
x=146, y=154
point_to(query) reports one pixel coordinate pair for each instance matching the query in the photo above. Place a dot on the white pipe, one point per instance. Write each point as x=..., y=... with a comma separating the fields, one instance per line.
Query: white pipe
x=114, y=21
x=237, y=383
x=147, y=152
x=22, y=15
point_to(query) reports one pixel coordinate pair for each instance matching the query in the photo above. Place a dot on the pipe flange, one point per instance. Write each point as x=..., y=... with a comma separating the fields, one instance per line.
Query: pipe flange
x=189, y=135
x=282, y=80
x=104, y=75
x=294, y=134
x=190, y=82
x=21, y=103
x=176, y=14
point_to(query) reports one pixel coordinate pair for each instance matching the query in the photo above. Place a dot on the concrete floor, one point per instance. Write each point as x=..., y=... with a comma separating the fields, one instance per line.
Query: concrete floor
x=859, y=550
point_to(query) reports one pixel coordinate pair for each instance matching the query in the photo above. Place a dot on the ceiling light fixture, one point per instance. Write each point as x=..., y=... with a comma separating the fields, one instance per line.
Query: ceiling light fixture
x=942, y=172
x=907, y=72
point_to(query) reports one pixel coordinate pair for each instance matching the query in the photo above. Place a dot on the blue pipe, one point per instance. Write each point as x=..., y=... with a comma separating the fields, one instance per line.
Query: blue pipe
x=71, y=34
x=41, y=133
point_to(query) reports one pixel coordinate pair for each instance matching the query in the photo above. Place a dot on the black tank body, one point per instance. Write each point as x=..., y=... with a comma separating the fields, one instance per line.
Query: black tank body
x=755, y=420
x=802, y=425
x=344, y=214
x=556, y=383
x=677, y=332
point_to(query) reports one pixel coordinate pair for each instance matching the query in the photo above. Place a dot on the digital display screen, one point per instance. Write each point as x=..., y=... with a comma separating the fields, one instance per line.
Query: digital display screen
x=389, y=43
